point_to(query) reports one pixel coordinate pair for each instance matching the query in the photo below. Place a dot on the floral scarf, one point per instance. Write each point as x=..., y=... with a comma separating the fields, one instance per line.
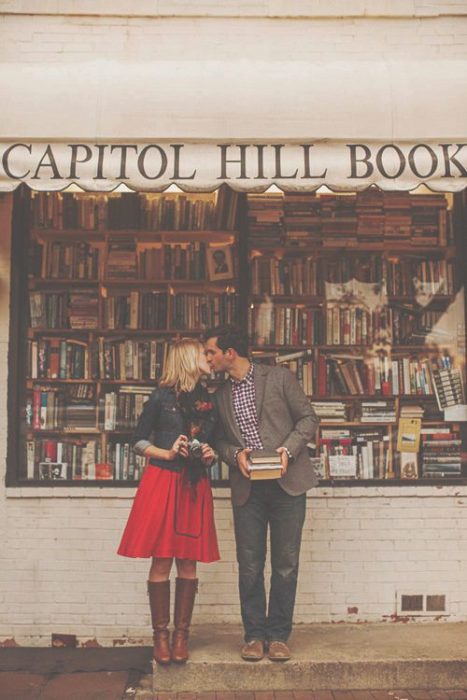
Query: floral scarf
x=200, y=419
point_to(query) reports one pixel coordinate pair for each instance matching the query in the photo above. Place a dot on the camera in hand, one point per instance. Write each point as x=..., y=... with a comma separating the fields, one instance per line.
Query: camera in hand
x=195, y=450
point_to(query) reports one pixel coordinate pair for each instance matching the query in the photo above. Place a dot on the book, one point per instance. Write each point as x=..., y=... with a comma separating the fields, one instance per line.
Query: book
x=265, y=464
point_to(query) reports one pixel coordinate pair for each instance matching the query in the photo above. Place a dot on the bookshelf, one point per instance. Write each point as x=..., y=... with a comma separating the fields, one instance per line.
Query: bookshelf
x=361, y=297
x=110, y=281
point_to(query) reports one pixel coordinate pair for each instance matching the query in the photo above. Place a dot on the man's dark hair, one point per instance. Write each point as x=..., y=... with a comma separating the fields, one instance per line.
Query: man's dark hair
x=229, y=336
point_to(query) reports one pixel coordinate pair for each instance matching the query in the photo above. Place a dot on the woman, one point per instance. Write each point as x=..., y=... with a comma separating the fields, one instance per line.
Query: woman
x=172, y=514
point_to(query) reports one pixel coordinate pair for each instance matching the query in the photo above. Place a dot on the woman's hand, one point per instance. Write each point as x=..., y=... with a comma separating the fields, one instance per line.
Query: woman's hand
x=179, y=448
x=208, y=454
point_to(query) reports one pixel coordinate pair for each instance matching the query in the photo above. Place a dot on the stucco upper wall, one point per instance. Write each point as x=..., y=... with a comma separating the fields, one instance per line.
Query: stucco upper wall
x=238, y=8
x=71, y=39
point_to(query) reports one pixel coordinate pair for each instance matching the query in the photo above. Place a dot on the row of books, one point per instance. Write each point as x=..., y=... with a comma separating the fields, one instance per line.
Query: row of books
x=136, y=310
x=355, y=454
x=119, y=359
x=200, y=311
x=66, y=210
x=336, y=221
x=52, y=459
x=290, y=275
x=343, y=375
x=64, y=260
x=56, y=358
x=285, y=276
x=354, y=325
x=81, y=460
x=61, y=260
x=76, y=309
x=339, y=325
x=301, y=365
x=175, y=261
x=125, y=359
x=123, y=408
x=70, y=408
x=169, y=212
x=334, y=411
x=195, y=212
x=136, y=211
x=278, y=324
x=150, y=310
x=408, y=277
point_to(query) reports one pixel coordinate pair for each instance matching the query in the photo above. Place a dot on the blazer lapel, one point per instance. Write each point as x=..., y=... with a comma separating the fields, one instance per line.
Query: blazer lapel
x=260, y=383
x=228, y=411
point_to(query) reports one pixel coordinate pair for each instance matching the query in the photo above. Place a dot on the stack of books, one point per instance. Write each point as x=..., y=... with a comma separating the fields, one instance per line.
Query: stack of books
x=121, y=259
x=447, y=383
x=265, y=464
x=441, y=452
x=378, y=412
x=265, y=219
x=331, y=411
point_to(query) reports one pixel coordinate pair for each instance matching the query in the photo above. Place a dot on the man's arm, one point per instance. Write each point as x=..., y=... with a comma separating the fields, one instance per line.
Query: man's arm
x=302, y=412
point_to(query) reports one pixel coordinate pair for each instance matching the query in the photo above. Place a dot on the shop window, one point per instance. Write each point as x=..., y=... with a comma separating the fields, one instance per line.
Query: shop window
x=360, y=295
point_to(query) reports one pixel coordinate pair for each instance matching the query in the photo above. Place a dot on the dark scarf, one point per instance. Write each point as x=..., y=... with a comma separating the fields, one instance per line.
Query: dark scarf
x=197, y=410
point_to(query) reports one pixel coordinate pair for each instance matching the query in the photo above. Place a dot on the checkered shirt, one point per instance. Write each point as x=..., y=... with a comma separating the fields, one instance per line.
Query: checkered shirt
x=244, y=406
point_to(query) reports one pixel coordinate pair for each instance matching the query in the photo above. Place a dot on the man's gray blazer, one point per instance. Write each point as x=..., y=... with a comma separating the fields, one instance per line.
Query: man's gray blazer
x=285, y=419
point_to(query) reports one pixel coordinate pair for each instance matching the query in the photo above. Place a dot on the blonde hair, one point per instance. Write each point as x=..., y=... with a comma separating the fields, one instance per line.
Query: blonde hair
x=181, y=368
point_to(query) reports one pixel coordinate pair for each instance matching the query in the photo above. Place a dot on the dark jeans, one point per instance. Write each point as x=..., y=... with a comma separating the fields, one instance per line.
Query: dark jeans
x=268, y=504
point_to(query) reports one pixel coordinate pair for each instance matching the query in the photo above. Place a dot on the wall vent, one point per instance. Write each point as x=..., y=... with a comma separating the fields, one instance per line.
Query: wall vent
x=436, y=603
x=421, y=604
x=411, y=603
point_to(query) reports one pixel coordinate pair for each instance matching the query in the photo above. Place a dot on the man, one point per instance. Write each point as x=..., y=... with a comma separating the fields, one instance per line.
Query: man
x=263, y=407
x=220, y=262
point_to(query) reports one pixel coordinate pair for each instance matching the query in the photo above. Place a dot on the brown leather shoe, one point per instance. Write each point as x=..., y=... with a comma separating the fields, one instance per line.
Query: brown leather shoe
x=278, y=651
x=253, y=651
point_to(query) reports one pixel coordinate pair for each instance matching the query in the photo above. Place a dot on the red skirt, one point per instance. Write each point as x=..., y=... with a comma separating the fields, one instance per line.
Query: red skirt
x=170, y=518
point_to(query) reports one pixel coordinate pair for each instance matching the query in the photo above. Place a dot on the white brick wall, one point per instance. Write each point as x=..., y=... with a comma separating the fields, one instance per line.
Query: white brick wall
x=361, y=547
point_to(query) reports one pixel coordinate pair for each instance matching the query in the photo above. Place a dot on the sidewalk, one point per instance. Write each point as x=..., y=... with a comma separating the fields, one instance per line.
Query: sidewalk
x=330, y=662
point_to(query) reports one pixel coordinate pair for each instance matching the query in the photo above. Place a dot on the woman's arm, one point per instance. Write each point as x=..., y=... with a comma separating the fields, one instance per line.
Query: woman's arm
x=147, y=423
x=159, y=453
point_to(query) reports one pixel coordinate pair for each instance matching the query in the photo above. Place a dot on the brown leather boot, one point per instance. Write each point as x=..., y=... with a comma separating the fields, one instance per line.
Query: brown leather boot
x=185, y=592
x=159, y=601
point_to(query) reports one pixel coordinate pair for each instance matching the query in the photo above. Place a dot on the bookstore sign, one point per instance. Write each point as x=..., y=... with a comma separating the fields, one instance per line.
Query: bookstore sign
x=246, y=166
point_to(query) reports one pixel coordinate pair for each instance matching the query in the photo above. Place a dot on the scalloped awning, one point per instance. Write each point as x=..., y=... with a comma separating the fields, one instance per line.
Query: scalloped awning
x=394, y=124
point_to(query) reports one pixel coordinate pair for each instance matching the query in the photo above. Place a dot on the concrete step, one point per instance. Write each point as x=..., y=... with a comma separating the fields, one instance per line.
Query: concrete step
x=352, y=657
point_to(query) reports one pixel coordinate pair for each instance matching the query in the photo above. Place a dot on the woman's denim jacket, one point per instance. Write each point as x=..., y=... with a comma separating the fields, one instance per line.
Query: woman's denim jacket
x=160, y=424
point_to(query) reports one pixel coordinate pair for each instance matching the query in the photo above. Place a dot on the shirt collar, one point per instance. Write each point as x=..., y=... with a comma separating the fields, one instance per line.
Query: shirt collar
x=247, y=379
